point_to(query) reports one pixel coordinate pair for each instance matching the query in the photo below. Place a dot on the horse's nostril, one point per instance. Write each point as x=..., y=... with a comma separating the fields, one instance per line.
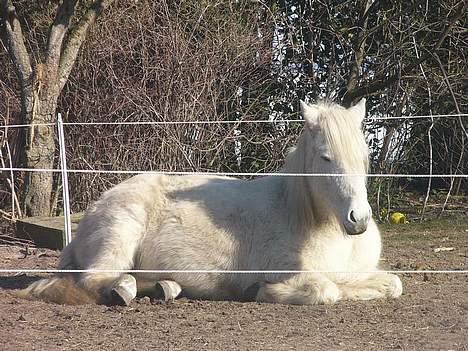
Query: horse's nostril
x=351, y=217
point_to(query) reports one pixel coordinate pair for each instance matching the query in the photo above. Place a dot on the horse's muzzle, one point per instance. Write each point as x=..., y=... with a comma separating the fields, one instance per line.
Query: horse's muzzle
x=357, y=221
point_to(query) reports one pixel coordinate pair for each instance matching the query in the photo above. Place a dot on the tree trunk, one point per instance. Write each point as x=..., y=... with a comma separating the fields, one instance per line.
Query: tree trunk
x=39, y=154
x=38, y=185
x=40, y=88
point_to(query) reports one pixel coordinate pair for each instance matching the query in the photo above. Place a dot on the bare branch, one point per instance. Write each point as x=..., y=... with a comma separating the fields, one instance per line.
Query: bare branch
x=380, y=84
x=76, y=38
x=359, y=48
x=15, y=39
x=58, y=31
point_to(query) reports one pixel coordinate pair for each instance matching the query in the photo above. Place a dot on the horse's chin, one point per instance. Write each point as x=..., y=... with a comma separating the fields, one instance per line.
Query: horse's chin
x=354, y=229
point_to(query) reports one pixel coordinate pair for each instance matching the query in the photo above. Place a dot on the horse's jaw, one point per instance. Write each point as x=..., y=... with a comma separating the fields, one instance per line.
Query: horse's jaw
x=344, y=221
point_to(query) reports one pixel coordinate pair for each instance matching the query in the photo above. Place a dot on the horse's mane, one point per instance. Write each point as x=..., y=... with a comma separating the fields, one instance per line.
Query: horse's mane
x=343, y=134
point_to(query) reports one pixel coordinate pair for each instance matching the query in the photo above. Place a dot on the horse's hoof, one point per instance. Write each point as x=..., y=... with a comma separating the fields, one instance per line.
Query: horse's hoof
x=120, y=297
x=123, y=291
x=395, y=288
x=167, y=290
x=328, y=294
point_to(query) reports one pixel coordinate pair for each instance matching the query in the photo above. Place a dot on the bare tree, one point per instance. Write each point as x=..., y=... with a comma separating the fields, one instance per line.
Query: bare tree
x=41, y=83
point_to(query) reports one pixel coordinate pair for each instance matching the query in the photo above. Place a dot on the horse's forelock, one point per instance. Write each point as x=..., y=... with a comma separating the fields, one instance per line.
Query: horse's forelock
x=343, y=134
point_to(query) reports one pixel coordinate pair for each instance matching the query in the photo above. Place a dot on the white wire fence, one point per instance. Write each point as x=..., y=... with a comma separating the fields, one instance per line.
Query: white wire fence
x=66, y=199
x=220, y=271
x=371, y=119
x=237, y=174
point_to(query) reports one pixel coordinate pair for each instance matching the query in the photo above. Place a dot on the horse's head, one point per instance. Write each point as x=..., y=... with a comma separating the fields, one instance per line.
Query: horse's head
x=336, y=145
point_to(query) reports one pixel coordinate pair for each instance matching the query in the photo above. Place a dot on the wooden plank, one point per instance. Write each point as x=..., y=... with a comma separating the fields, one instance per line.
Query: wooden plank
x=47, y=232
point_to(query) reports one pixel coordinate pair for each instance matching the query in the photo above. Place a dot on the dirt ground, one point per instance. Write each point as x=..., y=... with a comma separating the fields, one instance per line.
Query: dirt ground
x=432, y=314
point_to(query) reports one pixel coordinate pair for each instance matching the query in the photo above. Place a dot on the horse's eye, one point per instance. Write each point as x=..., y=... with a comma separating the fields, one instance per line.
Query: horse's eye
x=325, y=158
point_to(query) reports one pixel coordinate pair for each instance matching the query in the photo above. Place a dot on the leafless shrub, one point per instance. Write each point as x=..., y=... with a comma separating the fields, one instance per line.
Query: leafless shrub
x=187, y=61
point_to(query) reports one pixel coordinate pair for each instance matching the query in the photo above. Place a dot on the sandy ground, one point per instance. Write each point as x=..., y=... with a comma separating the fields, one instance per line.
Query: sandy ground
x=432, y=314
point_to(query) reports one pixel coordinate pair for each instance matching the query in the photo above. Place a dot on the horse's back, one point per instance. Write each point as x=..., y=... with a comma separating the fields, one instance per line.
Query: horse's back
x=123, y=214
x=158, y=222
x=214, y=224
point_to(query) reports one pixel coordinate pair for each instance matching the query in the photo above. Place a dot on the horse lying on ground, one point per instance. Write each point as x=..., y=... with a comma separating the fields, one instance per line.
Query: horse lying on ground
x=284, y=222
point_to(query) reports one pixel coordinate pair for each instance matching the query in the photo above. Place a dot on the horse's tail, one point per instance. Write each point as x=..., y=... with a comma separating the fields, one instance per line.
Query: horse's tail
x=58, y=289
x=61, y=289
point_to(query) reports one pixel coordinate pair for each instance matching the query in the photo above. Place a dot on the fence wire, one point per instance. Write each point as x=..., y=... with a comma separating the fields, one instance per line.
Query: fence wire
x=370, y=119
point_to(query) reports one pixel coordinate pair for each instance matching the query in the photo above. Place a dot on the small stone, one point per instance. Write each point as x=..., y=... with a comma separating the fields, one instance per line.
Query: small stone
x=145, y=300
x=22, y=319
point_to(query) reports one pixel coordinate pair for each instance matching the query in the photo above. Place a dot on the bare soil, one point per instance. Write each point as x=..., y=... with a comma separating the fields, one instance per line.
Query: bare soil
x=432, y=314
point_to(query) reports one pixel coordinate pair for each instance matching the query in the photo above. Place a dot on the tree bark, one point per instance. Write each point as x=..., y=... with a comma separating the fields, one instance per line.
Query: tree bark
x=39, y=154
x=39, y=151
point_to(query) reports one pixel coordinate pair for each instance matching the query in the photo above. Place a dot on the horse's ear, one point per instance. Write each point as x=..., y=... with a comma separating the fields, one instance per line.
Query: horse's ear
x=310, y=114
x=359, y=109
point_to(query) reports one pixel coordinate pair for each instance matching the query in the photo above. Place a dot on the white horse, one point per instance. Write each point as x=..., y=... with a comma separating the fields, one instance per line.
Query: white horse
x=306, y=223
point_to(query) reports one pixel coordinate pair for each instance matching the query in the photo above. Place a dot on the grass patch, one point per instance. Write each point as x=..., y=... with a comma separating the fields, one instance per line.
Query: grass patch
x=418, y=231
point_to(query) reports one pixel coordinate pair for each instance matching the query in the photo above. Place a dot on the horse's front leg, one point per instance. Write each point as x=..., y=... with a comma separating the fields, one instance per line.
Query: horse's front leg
x=303, y=289
x=375, y=286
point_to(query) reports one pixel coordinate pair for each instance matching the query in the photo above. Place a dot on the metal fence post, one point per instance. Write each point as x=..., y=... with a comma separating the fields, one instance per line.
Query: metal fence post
x=63, y=168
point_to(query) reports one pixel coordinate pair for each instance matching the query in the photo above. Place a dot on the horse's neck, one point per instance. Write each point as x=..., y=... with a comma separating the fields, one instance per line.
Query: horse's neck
x=305, y=212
